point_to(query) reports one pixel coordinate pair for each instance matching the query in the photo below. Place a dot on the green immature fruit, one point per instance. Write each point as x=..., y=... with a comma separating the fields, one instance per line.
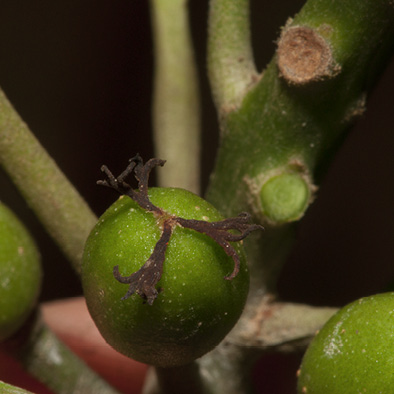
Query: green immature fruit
x=196, y=306
x=9, y=389
x=20, y=273
x=354, y=351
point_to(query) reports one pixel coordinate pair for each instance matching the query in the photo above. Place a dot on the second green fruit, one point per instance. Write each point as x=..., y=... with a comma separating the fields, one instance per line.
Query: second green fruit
x=20, y=273
x=354, y=351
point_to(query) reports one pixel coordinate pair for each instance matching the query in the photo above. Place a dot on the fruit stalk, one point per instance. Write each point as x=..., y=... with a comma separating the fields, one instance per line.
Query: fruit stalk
x=265, y=327
x=179, y=380
x=63, y=212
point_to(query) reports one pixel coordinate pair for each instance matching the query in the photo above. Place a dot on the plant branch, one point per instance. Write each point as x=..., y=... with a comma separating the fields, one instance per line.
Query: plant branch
x=280, y=141
x=277, y=141
x=268, y=324
x=230, y=59
x=265, y=326
x=60, y=208
x=176, y=107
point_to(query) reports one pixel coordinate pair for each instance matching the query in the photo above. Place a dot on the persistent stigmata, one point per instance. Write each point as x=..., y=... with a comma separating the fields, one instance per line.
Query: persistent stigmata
x=143, y=282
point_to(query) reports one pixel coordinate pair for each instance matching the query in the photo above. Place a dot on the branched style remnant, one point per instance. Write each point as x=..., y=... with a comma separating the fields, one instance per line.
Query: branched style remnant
x=141, y=173
x=143, y=282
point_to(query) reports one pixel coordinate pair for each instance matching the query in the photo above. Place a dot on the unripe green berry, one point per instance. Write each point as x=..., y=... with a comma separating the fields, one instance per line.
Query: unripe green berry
x=9, y=389
x=20, y=273
x=196, y=306
x=353, y=352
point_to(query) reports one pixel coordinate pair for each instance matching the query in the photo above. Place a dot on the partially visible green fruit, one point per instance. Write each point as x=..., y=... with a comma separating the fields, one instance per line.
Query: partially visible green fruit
x=9, y=389
x=196, y=308
x=20, y=273
x=354, y=351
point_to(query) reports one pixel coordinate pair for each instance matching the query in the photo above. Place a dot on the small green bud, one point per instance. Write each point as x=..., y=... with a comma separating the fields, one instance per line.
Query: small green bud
x=284, y=197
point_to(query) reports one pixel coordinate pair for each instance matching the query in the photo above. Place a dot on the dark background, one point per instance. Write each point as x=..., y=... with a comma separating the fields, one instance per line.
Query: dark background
x=80, y=74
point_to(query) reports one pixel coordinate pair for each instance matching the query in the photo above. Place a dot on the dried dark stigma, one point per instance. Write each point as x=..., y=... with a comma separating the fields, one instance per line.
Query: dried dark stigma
x=143, y=282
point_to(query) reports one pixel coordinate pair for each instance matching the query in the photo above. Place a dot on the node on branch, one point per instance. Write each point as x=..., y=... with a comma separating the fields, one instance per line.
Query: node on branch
x=304, y=56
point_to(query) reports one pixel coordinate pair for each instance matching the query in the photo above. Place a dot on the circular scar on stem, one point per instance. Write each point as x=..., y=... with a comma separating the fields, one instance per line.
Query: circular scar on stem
x=304, y=56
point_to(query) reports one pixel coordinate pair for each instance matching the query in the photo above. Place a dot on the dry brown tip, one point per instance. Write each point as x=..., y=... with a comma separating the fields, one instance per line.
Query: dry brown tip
x=304, y=56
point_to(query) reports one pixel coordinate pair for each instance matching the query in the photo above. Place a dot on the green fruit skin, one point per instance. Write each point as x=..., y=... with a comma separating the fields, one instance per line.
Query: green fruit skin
x=20, y=273
x=9, y=389
x=197, y=306
x=354, y=351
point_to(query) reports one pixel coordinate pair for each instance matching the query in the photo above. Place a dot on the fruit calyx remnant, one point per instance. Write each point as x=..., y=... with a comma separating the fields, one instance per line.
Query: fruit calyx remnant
x=143, y=282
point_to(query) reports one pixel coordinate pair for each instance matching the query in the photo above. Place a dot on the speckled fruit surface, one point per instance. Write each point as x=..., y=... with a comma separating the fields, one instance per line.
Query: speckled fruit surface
x=20, y=273
x=354, y=351
x=196, y=308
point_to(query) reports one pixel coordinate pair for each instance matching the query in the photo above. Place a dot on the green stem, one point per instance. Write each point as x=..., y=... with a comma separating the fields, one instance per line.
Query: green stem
x=230, y=59
x=177, y=380
x=290, y=124
x=176, y=109
x=45, y=357
x=277, y=140
x=227, y=369
x=63, y=212
x=266, y=326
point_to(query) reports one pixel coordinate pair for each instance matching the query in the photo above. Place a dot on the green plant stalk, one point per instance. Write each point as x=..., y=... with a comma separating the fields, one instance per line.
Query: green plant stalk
x=227, y=370
x=231, y=66
x=286, y=124
x=266, y=327
x=179, y=380
x=60, y=208
x=176, y=112
x=294, y=126
x=46, y=358
x=9, y=389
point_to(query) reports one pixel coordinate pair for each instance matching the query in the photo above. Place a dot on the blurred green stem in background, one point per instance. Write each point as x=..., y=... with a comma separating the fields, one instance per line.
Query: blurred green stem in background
x=176, y=104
